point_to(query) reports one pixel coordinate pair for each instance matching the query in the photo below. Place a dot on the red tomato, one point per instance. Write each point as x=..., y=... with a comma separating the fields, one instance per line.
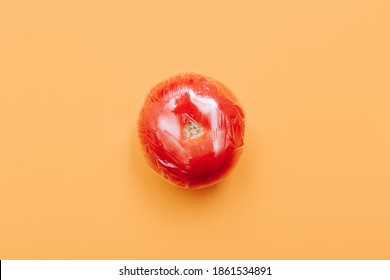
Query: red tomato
x=191, y=128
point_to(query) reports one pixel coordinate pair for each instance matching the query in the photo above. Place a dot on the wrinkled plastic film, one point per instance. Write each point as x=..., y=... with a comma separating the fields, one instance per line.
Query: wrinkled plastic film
x=192, y=130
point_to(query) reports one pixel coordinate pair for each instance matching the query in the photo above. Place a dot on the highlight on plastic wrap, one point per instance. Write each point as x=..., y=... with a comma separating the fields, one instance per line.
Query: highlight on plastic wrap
x=191, y=128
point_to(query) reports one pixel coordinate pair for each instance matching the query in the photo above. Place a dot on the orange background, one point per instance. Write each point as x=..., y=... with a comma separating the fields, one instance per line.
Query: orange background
x=312, y=76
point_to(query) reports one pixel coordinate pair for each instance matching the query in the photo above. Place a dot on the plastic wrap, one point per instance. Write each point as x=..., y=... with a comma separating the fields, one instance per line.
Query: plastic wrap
x=191, y=128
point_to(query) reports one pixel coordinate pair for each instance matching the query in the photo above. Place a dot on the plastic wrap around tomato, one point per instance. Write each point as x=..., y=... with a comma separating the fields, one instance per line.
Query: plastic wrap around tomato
x=192, y=130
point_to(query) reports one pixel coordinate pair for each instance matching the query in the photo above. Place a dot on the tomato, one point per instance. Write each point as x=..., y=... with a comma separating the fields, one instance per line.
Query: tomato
x=191, y=128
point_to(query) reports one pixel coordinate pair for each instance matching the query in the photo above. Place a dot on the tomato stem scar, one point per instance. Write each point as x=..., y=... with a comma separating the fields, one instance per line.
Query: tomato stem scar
x=193, y=130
